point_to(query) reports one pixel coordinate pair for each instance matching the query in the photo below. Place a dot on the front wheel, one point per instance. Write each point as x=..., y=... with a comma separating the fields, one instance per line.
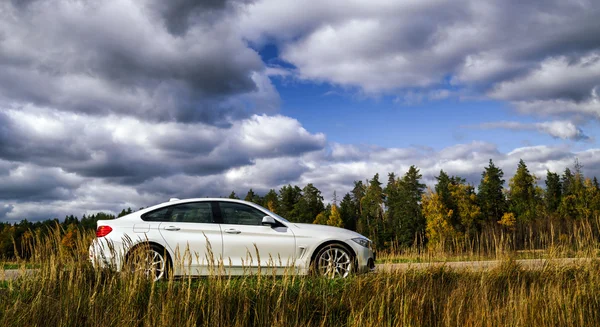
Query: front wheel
x=334, y=261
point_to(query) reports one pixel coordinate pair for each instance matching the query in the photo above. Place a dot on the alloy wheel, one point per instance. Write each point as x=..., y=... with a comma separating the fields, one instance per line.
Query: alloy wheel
x=334, y=261
x=151, y=263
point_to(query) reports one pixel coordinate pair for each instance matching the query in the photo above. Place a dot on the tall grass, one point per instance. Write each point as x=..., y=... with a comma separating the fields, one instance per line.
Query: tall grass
x=539, y=239
x=67, y=291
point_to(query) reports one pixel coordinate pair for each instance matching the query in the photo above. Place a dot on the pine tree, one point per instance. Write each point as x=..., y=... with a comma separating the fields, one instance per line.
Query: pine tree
x=250, y=196
x=553, y=194
x=522, y=194
x=288, y=197
x=314, y=200
x=348, y=212
x=408, y=220
x=490, y=196
x=233, y=195
x=372, y=211
x=568, y=204
x=358, y=192
x=567, y=182
x=443, y=189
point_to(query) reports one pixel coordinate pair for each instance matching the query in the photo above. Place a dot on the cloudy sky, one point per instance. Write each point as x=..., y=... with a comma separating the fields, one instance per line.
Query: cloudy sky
x=108, y=104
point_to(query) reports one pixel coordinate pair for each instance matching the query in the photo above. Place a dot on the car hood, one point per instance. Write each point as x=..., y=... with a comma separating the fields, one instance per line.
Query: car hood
x=312, y=229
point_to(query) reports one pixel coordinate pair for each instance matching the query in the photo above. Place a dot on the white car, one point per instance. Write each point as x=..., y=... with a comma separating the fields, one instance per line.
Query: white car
x=225, y=236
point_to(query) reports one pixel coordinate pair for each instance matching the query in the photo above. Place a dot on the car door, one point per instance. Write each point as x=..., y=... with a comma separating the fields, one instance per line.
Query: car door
x=193, y=236
x=245, y=239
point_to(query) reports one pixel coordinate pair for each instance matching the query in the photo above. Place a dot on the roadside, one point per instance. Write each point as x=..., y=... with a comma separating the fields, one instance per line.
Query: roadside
x=531, y=264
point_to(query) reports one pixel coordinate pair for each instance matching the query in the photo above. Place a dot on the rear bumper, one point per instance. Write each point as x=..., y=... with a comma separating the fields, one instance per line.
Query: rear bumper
x=103, y=254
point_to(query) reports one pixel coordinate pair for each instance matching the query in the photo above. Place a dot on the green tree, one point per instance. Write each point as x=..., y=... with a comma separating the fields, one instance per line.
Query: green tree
x=553, y=194
x=567, y=181
x=348, y=212
x=522, y=196
x=443, y=189
x=314, y=203
x=404, y=203
x=253, y=197
x=288, y=197
x=232, y=195
x=372, y=210
x=490, y=196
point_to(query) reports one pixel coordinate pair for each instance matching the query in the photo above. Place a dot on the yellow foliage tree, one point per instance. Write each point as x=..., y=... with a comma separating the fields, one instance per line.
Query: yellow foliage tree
x=271, y=206
x=466, y=199
x=437, y=216
x=508, y=220
x=335, y=219
x=321, y=219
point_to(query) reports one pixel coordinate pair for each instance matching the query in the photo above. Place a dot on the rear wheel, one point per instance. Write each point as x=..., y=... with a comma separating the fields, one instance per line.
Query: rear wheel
x=334, y=261
x=150, y=260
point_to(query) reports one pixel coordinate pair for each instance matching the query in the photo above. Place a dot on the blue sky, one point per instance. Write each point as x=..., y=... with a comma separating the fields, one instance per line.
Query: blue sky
x=123, y=103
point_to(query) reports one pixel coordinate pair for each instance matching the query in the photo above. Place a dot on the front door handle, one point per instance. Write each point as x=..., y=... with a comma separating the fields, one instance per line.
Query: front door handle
x=173, y=228
x=232, y=231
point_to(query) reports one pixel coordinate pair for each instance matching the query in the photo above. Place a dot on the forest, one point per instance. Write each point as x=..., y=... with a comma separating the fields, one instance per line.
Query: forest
x=402, y=213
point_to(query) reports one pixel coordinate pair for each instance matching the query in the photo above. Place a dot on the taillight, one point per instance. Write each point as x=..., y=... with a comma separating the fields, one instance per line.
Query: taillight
x=103, y=231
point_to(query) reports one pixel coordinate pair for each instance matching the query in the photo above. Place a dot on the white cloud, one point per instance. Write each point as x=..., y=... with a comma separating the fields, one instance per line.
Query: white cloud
x=556, y=78
x=560, y=129
x=542, y=57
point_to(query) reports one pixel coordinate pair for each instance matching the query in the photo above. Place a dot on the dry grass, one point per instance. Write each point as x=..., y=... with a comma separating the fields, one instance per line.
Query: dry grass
x=66, y=291
x=562, y=239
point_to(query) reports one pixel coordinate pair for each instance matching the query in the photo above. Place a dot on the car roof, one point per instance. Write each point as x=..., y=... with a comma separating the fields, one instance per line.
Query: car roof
x=180, y=201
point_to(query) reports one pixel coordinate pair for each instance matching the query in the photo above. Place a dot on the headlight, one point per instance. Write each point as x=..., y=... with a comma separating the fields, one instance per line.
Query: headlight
x=362, y=241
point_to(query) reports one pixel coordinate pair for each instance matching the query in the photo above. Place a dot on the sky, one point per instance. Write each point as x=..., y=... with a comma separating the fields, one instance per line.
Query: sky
x=109, y=104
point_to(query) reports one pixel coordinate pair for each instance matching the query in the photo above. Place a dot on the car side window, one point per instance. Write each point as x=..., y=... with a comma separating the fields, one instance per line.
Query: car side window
x=197, y=212
x=156, y=215
x=240, y=214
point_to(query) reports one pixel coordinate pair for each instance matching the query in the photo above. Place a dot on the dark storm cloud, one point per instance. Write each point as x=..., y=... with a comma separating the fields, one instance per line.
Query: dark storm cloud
x=21, y=145
x=180, y=14
x=34, y=183
x=114, y=57
x=128, y=152
x=5, y=209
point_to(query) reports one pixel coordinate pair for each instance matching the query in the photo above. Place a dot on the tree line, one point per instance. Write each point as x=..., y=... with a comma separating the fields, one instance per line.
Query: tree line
x=404, y=213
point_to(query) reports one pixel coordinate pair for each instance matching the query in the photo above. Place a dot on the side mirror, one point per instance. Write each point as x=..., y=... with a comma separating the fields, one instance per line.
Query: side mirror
x=268, y=220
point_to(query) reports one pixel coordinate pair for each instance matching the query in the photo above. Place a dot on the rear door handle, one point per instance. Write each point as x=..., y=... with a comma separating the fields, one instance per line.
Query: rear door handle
x=232, y=231
x=173, y=228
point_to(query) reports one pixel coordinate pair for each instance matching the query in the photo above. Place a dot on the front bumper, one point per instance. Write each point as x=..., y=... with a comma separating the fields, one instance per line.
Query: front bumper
x=365, y=259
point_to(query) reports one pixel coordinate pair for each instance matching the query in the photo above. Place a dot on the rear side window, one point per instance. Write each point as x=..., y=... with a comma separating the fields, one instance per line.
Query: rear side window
x=240, y=214
x=199, y=212
x=157, y=215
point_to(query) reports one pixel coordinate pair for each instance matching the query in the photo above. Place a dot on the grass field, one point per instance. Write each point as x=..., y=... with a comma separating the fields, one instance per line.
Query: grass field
x=66, y=291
